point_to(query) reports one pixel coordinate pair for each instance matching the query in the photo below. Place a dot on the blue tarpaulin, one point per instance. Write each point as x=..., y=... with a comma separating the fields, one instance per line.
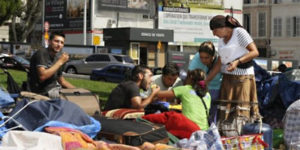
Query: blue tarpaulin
x=32, y=115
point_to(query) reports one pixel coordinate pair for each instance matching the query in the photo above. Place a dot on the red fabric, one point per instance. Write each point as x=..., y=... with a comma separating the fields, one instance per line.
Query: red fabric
x=176, y=123
x=122, y=112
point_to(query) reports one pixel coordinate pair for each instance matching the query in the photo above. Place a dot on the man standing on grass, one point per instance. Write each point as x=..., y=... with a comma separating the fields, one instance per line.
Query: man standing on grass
x=46, y=66
x=127, y=93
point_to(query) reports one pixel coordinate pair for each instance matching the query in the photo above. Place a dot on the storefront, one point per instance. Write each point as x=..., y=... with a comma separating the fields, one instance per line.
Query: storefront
x=144, y=46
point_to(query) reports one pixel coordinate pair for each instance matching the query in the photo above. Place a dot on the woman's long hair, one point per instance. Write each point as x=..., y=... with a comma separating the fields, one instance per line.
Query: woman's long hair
x=220, y=21
x=197, y=77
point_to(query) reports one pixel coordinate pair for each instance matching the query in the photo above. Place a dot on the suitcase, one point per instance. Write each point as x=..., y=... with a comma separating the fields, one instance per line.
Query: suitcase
x=85, y=99
x=131, y=132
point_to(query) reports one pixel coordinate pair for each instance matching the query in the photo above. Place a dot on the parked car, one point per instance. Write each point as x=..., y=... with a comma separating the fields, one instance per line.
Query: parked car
x=112, y=73
x=14, y=62
x=156, y=70
x=86, y=65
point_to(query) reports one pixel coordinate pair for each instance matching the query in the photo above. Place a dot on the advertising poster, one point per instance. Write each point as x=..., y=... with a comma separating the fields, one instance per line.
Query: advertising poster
x=66, y=14
x=124, y=5
x=190, y=19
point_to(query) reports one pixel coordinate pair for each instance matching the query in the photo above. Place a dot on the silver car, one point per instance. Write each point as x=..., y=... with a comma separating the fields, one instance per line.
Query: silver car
x=86, y=65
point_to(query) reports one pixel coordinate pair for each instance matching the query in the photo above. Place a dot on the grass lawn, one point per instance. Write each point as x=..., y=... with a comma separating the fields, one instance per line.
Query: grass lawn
x=102, y=89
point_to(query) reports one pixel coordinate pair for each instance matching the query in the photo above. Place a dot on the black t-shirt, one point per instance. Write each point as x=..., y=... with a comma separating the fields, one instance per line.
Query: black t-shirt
x=42, y=58
x=120, y=97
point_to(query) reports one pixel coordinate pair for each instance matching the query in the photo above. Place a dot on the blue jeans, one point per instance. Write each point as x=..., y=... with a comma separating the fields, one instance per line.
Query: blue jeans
x=213, y=108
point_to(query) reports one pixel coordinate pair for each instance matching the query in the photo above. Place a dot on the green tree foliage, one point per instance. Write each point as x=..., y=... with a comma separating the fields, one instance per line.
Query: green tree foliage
x=8, y=9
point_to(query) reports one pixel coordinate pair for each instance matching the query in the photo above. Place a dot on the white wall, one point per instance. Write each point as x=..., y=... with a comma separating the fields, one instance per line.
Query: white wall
x=110, y=19
x=77, y=38
x=4, y=33
x=235, y=4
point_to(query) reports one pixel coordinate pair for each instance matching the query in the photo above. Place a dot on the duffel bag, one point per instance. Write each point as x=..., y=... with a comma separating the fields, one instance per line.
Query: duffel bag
x=84, y=98
x=131, y=132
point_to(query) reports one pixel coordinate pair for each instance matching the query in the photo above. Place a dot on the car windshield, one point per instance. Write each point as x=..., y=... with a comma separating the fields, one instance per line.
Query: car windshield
x=21, y=60
x=124, y=58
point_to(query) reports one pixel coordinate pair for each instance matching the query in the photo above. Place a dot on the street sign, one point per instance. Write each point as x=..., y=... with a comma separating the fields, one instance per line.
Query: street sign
x=96, y=40
x=46, y=26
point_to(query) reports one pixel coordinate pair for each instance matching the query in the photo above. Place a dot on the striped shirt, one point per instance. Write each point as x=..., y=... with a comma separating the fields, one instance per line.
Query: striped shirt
x=234, y=49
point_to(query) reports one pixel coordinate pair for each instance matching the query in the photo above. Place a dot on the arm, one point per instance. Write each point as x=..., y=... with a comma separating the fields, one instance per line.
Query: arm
x=169, y=94
x=139, y=103
x=45, y=74
x=64, y=83
x=214, y=71
x=253, y=52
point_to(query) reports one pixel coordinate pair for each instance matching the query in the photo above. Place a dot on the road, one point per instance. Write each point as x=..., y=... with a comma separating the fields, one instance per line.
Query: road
x=80, y=76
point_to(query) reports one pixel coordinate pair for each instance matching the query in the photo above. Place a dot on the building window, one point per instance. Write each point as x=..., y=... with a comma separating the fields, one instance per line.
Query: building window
x=246, y=22
x=277, y=1
x=277, y=27
x=293, y=27
x=247, y=1
x=262, y=24
x=262, y=1
x=296, y=26
x=289, y=27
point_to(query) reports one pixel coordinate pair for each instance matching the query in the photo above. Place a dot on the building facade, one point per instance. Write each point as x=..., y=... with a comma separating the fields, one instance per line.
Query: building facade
x=274, y=26
x=285, y=29
x=257, y=21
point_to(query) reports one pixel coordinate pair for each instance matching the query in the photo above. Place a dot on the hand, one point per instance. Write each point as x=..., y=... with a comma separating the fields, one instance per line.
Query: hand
x=64, y=57
x=232, y=66
x=155, y=89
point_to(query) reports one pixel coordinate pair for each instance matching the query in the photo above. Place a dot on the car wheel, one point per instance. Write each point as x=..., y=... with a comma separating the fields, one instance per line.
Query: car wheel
x=101, y=79
x=71, y=70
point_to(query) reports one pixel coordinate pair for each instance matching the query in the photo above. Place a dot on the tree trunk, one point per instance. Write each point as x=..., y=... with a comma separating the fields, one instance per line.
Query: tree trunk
x=30, y=15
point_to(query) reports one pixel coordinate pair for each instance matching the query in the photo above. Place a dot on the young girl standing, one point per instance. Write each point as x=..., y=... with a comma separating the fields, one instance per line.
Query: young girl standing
x=194, y=97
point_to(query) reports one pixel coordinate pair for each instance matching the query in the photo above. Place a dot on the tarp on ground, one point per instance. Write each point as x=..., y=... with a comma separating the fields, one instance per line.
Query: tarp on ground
x=5, y=99
x=275, y=94
x=34, y=114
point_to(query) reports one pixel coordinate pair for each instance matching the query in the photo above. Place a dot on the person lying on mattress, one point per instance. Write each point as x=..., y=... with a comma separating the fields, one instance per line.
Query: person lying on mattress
x=194, y=96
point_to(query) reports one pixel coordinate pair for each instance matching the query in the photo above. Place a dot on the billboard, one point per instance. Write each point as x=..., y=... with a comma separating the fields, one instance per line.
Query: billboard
x=125, y=5
x=66, y=14
x=189, y=19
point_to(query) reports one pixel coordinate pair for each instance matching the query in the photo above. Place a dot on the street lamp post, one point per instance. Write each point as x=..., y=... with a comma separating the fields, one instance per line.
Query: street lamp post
x=84, y=23
x=43, y=21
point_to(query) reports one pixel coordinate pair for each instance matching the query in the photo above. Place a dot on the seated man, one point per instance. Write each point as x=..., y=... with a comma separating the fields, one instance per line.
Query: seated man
x=45, y=75
x=127, y=93
x=168, y=79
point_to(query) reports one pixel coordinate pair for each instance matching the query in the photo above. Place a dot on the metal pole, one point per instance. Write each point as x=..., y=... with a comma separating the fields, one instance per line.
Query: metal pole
x=43, y=21
x=84, y=23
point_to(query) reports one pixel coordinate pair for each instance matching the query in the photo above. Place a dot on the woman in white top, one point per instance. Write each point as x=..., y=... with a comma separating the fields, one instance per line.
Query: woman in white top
x=237, y=50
